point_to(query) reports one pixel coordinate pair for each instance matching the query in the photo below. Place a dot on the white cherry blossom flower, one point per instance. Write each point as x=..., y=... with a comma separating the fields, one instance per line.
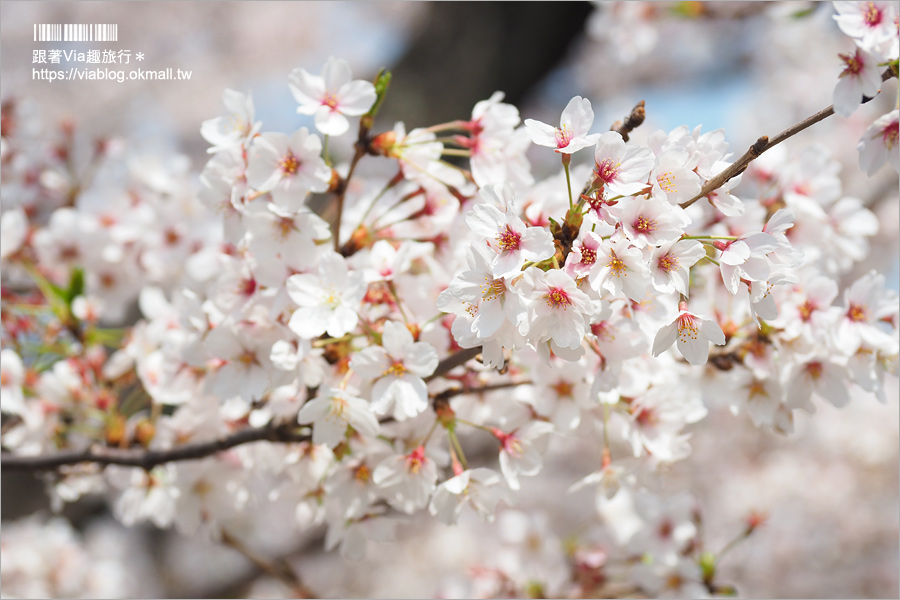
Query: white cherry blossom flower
x=12, y=376
x=398, y=368
x=670, y=265
x=288, y=167
x=820, y=376
x=521, y=449
x=860, y=77
x=745, y=258
x=408, y=480
x=511, y=240
x=880, y=143
x=559, y=310
x=13, y=231
x=332, y=411
x=328, y=301
x=873, y=25
x=866, y=303
x=332, y=96
x=650, y=221
x=620, y=269
x=693, y=333
x=234, y=129
x=573, y=132
x=481, y=488
x=622, y=170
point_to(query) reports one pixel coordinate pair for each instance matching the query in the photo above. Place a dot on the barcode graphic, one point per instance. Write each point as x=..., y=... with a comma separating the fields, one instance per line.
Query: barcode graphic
x=76, y=32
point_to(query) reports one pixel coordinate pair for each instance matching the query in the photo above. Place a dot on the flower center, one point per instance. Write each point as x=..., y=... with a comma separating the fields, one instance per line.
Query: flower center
x=687, y=327
x=646, y=417
x=492, y=289
x=756, y=389
x=872, y=16
x=290, y=164
x=667, y=263
x=814, y=369
x=857, y=313
x=558, y=298
x=588, y=256
x=284, y=226
x=508, y=239
x=644, y=225
x=854, y=64
x=247, y=358
x=607, y=170
x=806, y=310
x=415, y=460
x=338, y=406
x=362, y=473
x=396, y=369
x=667, y=182
x=564, y=135
x=330, y=100
x=563, y=389
x=617, y=266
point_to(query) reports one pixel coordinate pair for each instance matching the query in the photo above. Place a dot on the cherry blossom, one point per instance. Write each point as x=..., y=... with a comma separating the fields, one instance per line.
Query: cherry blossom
x=880, y=143
x=332, y=411
x=572, y=134
x=327, y=301
x=620, y=170
x=397, y=369
x=693, y=334
x=332, y=96
x=288, y=167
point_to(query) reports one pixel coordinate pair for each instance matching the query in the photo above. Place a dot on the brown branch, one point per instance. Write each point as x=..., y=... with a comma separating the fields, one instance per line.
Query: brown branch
x=279, y=568
x=763, y=144
x=453, y=361
x=450, y=393
x=631, y=122
x=147, y=459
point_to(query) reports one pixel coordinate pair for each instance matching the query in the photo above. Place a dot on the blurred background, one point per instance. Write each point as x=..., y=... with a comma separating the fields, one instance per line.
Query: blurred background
x=830, y=489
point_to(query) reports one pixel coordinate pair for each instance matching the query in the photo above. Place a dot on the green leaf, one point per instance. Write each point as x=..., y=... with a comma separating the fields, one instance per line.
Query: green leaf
x=76, y=286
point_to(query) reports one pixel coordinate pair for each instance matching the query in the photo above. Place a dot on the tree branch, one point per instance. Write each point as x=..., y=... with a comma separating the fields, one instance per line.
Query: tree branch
x=147, y=459
x=631, y=122
x=453, y=361
x=763, y=144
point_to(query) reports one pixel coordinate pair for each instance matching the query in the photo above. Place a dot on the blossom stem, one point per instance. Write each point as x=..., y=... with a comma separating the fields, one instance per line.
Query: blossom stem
x=446, y=126
x=475, y=425
x=456, y=152
x=325, y=150
x=730, y=238
x=393, y=290
x=566, y=159
x=763, y=144
x=454, y=441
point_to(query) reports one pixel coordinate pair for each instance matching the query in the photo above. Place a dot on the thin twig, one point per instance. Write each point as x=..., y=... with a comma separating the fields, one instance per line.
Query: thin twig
x=453, y=361
x=763, y=144
x=631, y=122
x=279, y=568
x=452, y=392
x=147, y=459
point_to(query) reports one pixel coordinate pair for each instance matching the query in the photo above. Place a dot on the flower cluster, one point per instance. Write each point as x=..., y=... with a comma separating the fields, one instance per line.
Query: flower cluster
x=418, y=345
x=873, y=27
